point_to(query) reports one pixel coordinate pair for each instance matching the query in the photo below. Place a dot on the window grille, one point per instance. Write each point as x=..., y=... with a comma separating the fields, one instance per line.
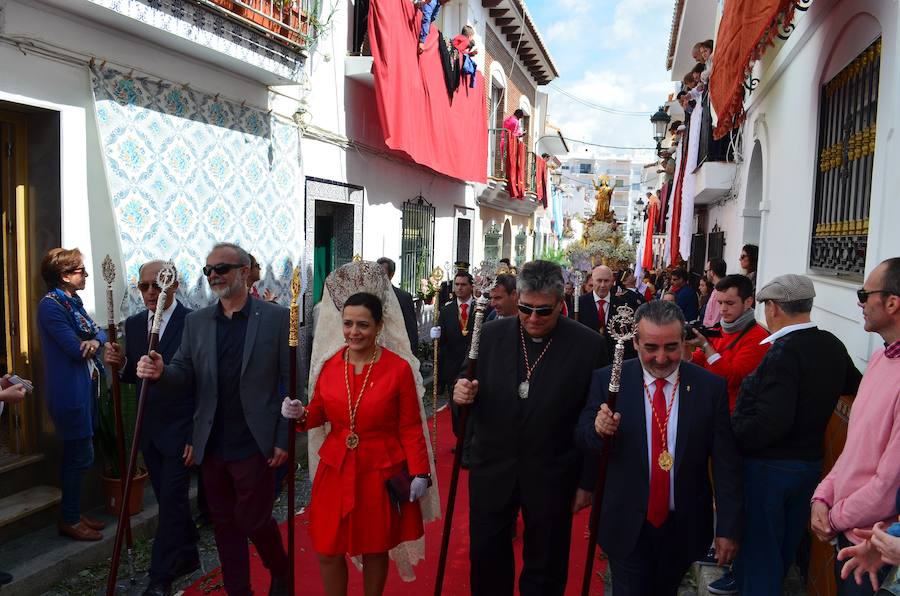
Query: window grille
x=848, y=110
x=715, y=243
x=463, y=239
x=417, y=244
x=520, y=247
x=492, y=244
x=698, y=254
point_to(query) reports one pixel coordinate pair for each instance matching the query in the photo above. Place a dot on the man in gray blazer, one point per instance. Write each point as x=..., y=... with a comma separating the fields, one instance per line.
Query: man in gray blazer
x=234, y=356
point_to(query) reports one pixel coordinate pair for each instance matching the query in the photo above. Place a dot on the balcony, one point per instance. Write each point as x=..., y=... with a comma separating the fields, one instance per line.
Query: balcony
x=496, y=193
x=262, y=40
x=285, y=21
x=716, y=169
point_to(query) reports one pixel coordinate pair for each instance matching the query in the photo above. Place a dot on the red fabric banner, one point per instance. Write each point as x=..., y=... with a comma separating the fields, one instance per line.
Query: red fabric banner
x=647, y=258
x=515, y=169
x=675, y=222
x=416, y=114
x=746, y=30
x=540, y=181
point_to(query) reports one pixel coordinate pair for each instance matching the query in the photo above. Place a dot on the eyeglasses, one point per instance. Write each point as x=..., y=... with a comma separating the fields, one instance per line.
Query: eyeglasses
x=221, y=268
x=541, y=311
x=863, y=295
x=146, y=285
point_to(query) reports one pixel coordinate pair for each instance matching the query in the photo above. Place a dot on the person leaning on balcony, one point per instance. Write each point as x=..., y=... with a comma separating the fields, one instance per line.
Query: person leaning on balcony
x=71, y=342
x=430, y=10
x=861, y=487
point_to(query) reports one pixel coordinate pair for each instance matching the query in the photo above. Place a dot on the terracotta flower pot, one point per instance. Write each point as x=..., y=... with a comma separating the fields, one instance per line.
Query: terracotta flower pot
x=112, y=490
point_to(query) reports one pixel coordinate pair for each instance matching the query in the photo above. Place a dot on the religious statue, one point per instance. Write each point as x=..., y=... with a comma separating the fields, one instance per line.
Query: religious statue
x=603, y=194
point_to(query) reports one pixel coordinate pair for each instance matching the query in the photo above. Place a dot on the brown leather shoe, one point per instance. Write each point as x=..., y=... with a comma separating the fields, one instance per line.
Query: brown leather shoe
x=94, y=524
x=79, y=532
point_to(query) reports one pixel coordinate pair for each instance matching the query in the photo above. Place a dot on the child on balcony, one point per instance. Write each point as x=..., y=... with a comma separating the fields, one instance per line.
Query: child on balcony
x=465, y=45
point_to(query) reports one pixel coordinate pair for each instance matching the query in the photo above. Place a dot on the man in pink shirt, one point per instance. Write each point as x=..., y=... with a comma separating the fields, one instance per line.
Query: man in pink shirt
x=860, y=490
x=715, y=271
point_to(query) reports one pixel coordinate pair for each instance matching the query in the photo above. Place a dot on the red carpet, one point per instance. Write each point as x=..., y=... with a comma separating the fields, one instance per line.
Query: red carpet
x=456, y=581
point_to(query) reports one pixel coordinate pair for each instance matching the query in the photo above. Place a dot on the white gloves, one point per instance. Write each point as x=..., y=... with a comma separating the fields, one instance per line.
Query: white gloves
x=435, y=333
x=417, y=488
x=292, y=408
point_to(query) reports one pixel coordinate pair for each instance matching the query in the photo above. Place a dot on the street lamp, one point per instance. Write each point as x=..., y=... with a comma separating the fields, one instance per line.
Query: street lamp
x=660, y=121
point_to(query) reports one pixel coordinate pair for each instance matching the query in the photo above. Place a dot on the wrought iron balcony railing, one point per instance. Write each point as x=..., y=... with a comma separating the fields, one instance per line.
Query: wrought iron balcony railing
x=498, y=141
x=289, y=22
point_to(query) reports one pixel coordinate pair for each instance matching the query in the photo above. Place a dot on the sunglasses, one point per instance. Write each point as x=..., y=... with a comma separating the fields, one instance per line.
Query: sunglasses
x=863, y=295
x=146, y=285
x=221, y=268
x=80, y=270
x=541, y=311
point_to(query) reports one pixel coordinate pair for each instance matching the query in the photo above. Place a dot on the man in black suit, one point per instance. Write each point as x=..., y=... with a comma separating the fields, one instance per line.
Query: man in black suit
x=456, y=320
x=671, y=419
x=534, y=371
x=629, y=294
x=406, y=305
x=569, y=297
x=165, y=434
x=601, y=300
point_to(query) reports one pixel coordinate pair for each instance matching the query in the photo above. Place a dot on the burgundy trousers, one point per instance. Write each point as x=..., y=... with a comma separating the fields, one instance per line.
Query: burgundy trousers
x=240, y=496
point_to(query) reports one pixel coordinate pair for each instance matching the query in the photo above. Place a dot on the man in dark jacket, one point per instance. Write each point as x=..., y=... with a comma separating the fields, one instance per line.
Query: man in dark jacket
x=406, y=305
x=166, y=431
x=533, y=376
x=779, y=421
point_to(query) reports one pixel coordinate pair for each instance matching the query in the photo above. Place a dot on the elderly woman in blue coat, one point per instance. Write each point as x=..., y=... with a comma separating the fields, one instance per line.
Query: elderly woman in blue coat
x=71, y=343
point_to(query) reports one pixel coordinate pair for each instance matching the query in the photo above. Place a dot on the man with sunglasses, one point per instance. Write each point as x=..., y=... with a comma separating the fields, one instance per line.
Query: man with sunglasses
x=234, y=355
x=165, y=434
x=860, y=490
x=779, y=422
x=534, y=371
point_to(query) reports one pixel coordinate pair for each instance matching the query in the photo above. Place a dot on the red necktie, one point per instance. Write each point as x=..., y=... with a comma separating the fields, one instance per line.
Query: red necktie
x=463, y=315
x=658, y=505
x=601, y=314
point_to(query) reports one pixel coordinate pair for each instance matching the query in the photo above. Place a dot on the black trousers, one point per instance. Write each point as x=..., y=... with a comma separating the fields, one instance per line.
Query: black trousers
x=655, y=567
x=545, y=553
x=176, y=536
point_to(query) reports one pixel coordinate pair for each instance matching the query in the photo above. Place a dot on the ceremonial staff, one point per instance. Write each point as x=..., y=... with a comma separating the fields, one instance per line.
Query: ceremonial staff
x=471, y=368
x=576, y=303
x=293, y=342
x=621, y=328
x=435, y=340
x=109, y=276
x=164, y=279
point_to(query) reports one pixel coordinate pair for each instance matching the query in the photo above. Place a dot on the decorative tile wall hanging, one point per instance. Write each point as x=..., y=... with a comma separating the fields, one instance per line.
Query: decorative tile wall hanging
x=186, y=170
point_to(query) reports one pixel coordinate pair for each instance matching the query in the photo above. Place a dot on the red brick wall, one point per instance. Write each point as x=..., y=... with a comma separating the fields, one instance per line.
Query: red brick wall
x=517, y=85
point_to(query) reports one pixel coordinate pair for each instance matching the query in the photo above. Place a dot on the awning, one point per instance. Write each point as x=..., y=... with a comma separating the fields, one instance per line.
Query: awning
x=745, y=32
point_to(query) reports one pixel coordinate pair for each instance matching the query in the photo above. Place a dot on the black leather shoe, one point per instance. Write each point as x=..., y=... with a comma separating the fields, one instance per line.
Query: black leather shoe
x=158, y=589
x=185, y=567
x=5, y=578
x=279, y=586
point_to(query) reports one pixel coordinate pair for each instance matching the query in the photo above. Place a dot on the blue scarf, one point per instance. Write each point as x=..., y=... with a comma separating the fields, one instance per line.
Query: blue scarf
x=85, y=328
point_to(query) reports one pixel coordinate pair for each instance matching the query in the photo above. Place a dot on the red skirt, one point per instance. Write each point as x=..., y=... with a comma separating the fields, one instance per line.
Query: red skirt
x=373, y=524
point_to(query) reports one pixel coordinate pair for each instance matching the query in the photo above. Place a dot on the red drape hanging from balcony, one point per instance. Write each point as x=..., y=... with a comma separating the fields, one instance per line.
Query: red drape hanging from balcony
x=540, y=181
x=515, y=169
x=413, y=106
x=746, y=30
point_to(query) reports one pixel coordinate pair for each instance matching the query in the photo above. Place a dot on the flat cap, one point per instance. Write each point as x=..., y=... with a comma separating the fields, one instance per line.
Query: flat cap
x=787, y=288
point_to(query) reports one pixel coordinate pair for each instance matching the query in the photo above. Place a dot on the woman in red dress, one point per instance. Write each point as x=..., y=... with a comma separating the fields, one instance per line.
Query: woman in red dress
x=368, y=395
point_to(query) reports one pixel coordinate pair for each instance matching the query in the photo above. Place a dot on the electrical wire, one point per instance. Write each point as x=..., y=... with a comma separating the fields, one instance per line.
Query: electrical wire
x=609, y=146
x=602, y=108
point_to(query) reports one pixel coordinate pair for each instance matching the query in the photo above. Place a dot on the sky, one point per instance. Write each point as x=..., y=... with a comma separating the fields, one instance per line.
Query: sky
x=611, y=53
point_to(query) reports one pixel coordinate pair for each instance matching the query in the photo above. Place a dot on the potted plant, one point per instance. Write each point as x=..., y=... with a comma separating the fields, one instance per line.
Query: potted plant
x=106, y=444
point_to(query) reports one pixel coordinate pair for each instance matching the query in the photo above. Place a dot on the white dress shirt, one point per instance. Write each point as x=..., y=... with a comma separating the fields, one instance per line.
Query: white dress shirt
x=605, y=305
x=785, y=330
x=166, y=315
x=671, y=392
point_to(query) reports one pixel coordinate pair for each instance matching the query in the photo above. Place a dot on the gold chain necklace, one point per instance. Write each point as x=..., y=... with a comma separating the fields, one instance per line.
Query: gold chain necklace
x=665, y=457
x=353, y=438
x=524, y=386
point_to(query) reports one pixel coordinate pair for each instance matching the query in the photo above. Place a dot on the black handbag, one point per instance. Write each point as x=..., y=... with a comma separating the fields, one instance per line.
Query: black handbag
x=398, y=487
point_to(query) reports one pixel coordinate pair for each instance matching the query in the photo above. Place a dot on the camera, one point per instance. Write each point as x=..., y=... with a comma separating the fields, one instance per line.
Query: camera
x=696, y=327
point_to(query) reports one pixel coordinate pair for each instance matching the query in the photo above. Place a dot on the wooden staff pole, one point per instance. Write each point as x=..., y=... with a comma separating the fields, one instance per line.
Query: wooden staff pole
x=109, y=275
x=577, y=302
x=471, y=369
x=164, y=279
x=293, y=342
x=621, y=335
x=435, y=340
